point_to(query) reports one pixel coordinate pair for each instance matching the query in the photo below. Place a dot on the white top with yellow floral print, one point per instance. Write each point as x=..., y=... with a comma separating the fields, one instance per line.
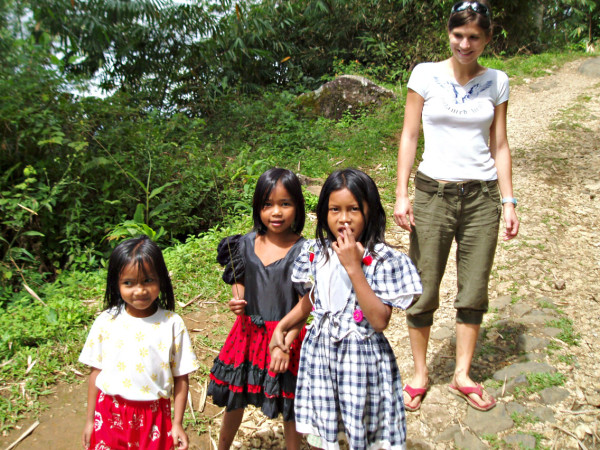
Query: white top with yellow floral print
x=138, y=357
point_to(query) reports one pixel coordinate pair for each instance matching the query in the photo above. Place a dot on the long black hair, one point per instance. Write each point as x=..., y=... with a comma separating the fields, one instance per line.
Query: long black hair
x=468, y=15
x=365, y=192
x=146, y=255
x=265, y=185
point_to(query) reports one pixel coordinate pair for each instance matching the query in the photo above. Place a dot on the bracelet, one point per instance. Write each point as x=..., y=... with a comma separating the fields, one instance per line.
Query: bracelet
x=509, y=200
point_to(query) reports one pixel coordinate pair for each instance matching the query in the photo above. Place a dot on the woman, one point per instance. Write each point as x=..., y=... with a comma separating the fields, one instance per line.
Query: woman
x=466, y=159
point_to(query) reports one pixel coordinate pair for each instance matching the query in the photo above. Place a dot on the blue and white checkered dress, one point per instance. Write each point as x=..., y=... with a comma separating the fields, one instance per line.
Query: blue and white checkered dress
x=349, y=385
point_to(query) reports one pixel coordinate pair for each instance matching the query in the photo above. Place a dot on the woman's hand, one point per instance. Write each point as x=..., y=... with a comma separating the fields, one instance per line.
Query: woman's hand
x=279, y=360
x=237, y=306
x=511, y=221
x=403, y=213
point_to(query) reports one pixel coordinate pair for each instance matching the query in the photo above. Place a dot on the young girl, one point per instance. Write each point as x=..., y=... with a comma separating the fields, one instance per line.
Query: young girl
x=348, y=383
x=259, y=269
x=462, y=186
x=140, y=354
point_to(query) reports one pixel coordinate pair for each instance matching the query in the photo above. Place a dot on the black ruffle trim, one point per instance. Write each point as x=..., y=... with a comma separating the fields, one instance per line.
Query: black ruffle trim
x=271, y=401
x=257, y=320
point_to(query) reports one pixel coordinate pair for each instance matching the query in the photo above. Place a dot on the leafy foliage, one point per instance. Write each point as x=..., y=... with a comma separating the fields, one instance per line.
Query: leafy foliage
x=203, y=101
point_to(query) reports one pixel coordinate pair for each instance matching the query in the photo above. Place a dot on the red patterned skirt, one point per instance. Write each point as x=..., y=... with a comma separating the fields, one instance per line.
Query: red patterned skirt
x=240, y=375
x=122, y=424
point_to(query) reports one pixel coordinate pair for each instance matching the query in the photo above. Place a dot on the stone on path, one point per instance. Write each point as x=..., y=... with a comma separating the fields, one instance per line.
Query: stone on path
x=591, y=67
x=544, y=414
x=520, y=309
x=523, y=368
x=514, y=407
x=501, y=302
x=553, y=395
x=520, y=440
x=442, y=333
x=518, y=381
x=468, y=440
x=527, y=343
x=489, y=422
x=551, y=331
x=418, y=444
x=447, y=434
x=538, y=319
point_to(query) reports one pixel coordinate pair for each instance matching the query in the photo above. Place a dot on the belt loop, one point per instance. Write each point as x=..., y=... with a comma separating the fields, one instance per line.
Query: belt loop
x=440, y=191
x=484, y=187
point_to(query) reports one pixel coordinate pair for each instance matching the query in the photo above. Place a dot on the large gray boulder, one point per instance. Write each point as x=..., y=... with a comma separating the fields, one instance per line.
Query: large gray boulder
x=345, y=93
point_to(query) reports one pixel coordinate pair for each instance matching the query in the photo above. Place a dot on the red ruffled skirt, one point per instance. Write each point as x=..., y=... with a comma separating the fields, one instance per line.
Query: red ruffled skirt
x=240, y=375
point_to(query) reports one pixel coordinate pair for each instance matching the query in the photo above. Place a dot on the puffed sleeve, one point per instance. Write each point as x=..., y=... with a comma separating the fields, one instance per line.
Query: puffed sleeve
x=396, y=280
x=301, y=274
x=183, y=357
x=230, y=255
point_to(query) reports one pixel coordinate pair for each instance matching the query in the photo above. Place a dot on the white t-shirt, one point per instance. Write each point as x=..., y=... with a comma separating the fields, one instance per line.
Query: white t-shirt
x=139, y=357
x=457, y=120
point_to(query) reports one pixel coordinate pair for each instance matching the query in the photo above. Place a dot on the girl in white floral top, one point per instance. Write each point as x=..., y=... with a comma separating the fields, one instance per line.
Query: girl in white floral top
x=140, y=353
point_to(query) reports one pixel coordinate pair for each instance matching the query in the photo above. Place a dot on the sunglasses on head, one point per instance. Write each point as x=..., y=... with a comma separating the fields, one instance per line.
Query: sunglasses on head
x=474, y=6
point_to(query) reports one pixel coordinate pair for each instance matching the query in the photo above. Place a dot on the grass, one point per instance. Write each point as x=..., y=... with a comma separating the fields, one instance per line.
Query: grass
x=493, y=441
x=522, y=419
x=567, y=334
x=530, y=66
x=540, y=381
x=567, y=359
x=40, y=343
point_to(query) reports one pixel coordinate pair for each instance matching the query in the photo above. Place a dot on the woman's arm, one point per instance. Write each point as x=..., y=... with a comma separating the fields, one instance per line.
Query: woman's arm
x=91, y=407
x=350, y=254
x=180, y=390
x=403, y=212
x=500, y=151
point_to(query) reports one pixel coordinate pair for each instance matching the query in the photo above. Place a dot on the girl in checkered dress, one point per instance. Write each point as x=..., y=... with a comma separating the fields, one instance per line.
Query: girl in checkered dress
x=348, y=384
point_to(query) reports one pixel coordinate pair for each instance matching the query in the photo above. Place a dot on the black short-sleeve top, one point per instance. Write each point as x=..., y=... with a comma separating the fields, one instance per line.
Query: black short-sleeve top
x=269, y=290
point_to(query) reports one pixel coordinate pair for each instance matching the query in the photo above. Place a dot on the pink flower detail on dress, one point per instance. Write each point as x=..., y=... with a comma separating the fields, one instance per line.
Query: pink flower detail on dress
x=367, y=260
x=358, y=315
x=311, y=256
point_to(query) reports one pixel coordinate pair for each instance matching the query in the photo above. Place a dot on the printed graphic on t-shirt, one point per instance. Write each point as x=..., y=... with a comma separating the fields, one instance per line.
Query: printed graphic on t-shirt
x=460, y=103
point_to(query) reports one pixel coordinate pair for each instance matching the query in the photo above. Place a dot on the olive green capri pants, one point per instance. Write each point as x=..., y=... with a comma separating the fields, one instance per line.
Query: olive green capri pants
x=470, y=213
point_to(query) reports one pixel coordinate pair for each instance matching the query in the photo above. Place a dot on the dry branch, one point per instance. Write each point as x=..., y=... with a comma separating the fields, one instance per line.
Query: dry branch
x=24, y=435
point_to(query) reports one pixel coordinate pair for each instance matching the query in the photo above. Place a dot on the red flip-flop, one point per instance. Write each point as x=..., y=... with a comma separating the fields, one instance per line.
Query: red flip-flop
x=464, y=392
x=412, y=393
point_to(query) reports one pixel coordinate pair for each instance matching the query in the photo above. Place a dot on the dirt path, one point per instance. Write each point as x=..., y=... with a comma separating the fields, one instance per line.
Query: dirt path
x=548, y=276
